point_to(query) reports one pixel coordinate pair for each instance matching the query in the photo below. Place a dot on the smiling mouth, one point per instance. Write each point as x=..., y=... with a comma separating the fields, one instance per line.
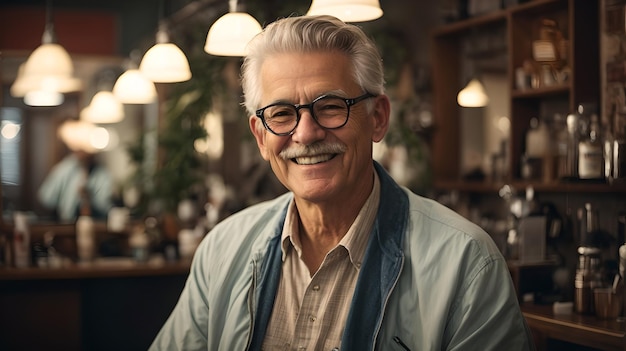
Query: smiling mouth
x=311, y=160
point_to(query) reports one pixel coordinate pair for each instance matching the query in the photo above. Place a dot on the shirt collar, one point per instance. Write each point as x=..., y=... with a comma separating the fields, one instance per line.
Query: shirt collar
x=355, y=240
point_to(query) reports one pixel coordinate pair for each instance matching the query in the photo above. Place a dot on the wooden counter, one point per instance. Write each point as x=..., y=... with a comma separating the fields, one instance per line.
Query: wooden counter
x=113, y=305
x=102, y=268
x=573, y=331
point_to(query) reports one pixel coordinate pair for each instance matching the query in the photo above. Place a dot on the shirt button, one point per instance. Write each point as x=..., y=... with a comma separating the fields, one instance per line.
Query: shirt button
x=358, y=265
x=316, y=287
x=312, y=318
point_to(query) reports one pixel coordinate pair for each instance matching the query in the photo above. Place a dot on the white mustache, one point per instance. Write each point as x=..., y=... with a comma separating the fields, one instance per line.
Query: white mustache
x=312, y=150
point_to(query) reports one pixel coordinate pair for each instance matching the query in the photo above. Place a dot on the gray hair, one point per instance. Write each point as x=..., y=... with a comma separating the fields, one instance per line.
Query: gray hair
x=312, y=34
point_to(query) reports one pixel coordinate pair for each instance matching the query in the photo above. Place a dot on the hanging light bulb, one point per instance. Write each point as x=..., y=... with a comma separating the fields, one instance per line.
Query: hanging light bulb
x=347, y=10
x=47, y=72
x=230, y=34
x=165, y=62
x=473, y=95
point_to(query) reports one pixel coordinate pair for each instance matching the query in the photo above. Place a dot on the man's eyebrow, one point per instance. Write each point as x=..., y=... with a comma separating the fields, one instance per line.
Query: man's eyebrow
x=335, y=92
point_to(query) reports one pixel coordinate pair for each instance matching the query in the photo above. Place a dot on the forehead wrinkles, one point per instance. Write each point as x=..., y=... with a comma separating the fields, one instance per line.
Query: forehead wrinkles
x=298, y=77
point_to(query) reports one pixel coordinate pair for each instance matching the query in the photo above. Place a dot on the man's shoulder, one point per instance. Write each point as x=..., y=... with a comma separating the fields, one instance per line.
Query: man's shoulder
x=261, y=215
x=442, y=222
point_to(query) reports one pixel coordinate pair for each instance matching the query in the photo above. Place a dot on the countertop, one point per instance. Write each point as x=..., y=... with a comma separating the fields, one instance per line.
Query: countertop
x=575, y=328
x=99, y=268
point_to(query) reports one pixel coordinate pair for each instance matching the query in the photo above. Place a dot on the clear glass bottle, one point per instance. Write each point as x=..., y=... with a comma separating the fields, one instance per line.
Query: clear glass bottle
x=608, y=139
x=21, y=240
x=560, y=143
x=618, y=151
x=537, y=150
x=573, y=133
x=591, y=152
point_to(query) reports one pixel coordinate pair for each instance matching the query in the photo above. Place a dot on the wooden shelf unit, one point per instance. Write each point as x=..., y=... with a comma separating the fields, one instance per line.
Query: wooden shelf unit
x=579, y=22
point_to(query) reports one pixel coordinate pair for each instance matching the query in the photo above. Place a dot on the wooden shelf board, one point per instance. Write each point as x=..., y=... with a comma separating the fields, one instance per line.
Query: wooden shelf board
x=553, y=187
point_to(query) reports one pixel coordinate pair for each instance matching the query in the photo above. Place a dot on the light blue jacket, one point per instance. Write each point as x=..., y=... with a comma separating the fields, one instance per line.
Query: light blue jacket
x=429, y=277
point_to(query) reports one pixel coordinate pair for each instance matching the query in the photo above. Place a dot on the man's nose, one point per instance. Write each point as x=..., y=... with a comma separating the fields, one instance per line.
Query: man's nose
x=308, y=130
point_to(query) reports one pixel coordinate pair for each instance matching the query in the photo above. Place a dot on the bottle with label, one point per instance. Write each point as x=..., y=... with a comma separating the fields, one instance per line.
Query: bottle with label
x=537, y=151
x=85, y=239
x=608, y=139
x=618, y=149
x=591, y=152
x=21, y=240
x=85, y=232
x=560, y=140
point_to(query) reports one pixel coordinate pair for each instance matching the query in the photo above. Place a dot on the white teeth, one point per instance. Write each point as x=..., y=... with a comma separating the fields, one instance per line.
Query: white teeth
x=310, y=160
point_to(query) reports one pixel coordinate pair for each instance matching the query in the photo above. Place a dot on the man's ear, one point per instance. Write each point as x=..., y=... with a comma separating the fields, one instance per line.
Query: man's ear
x=381, y=113
x=257, y=129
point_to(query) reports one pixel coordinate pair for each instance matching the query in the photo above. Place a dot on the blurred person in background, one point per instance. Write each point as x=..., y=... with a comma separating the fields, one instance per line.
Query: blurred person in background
x=78, y=184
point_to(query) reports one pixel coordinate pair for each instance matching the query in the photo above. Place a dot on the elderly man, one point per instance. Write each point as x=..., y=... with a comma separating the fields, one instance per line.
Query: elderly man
x=347, y=259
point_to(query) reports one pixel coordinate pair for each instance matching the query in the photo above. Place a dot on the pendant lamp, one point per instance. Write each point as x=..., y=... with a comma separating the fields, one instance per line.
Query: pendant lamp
x=133, y=87
x=230, y=34
x=81, y=135
x=473, y=95
x=48, y=85
x=165, y=62
x=103, y=108
x=48, y=71
x=347, y=10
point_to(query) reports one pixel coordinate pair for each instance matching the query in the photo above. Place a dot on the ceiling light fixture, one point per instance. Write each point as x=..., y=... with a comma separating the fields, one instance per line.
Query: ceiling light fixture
x=230, y=34
x=347, y=10
x=47, y=72
x=133, y=87
x=165, y=62
x=104, y=108
x=473, y=95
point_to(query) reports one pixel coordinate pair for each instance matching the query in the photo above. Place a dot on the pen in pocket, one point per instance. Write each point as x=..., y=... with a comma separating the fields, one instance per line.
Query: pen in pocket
x=399, y=342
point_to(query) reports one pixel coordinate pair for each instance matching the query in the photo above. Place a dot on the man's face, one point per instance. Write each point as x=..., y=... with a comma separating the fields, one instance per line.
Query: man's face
x=322, y=176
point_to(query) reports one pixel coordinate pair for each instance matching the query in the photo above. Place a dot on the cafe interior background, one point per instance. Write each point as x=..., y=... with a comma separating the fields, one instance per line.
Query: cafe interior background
x=181, y=157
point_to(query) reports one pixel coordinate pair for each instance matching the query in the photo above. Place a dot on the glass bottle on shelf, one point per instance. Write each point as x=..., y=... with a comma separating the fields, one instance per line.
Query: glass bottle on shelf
x=619, y=158
x=591, y=152
x=608, y=139
x=537, y=150
x=571, y=163
x=85, y=232
x=618, y=149
x=560, y=143
x=21, y=240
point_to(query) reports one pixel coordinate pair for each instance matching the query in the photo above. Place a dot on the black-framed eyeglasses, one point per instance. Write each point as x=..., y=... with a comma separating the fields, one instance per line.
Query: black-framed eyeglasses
x=329, y=111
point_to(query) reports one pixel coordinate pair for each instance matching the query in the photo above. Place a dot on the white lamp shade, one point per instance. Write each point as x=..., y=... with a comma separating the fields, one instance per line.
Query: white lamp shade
x=347, y=10
x=230, y=34
x=132, y=87
x=47, y=82
x=104, y=108
x=473, y=95
x=49, y=59
x=83, y=136
x=165, y=63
